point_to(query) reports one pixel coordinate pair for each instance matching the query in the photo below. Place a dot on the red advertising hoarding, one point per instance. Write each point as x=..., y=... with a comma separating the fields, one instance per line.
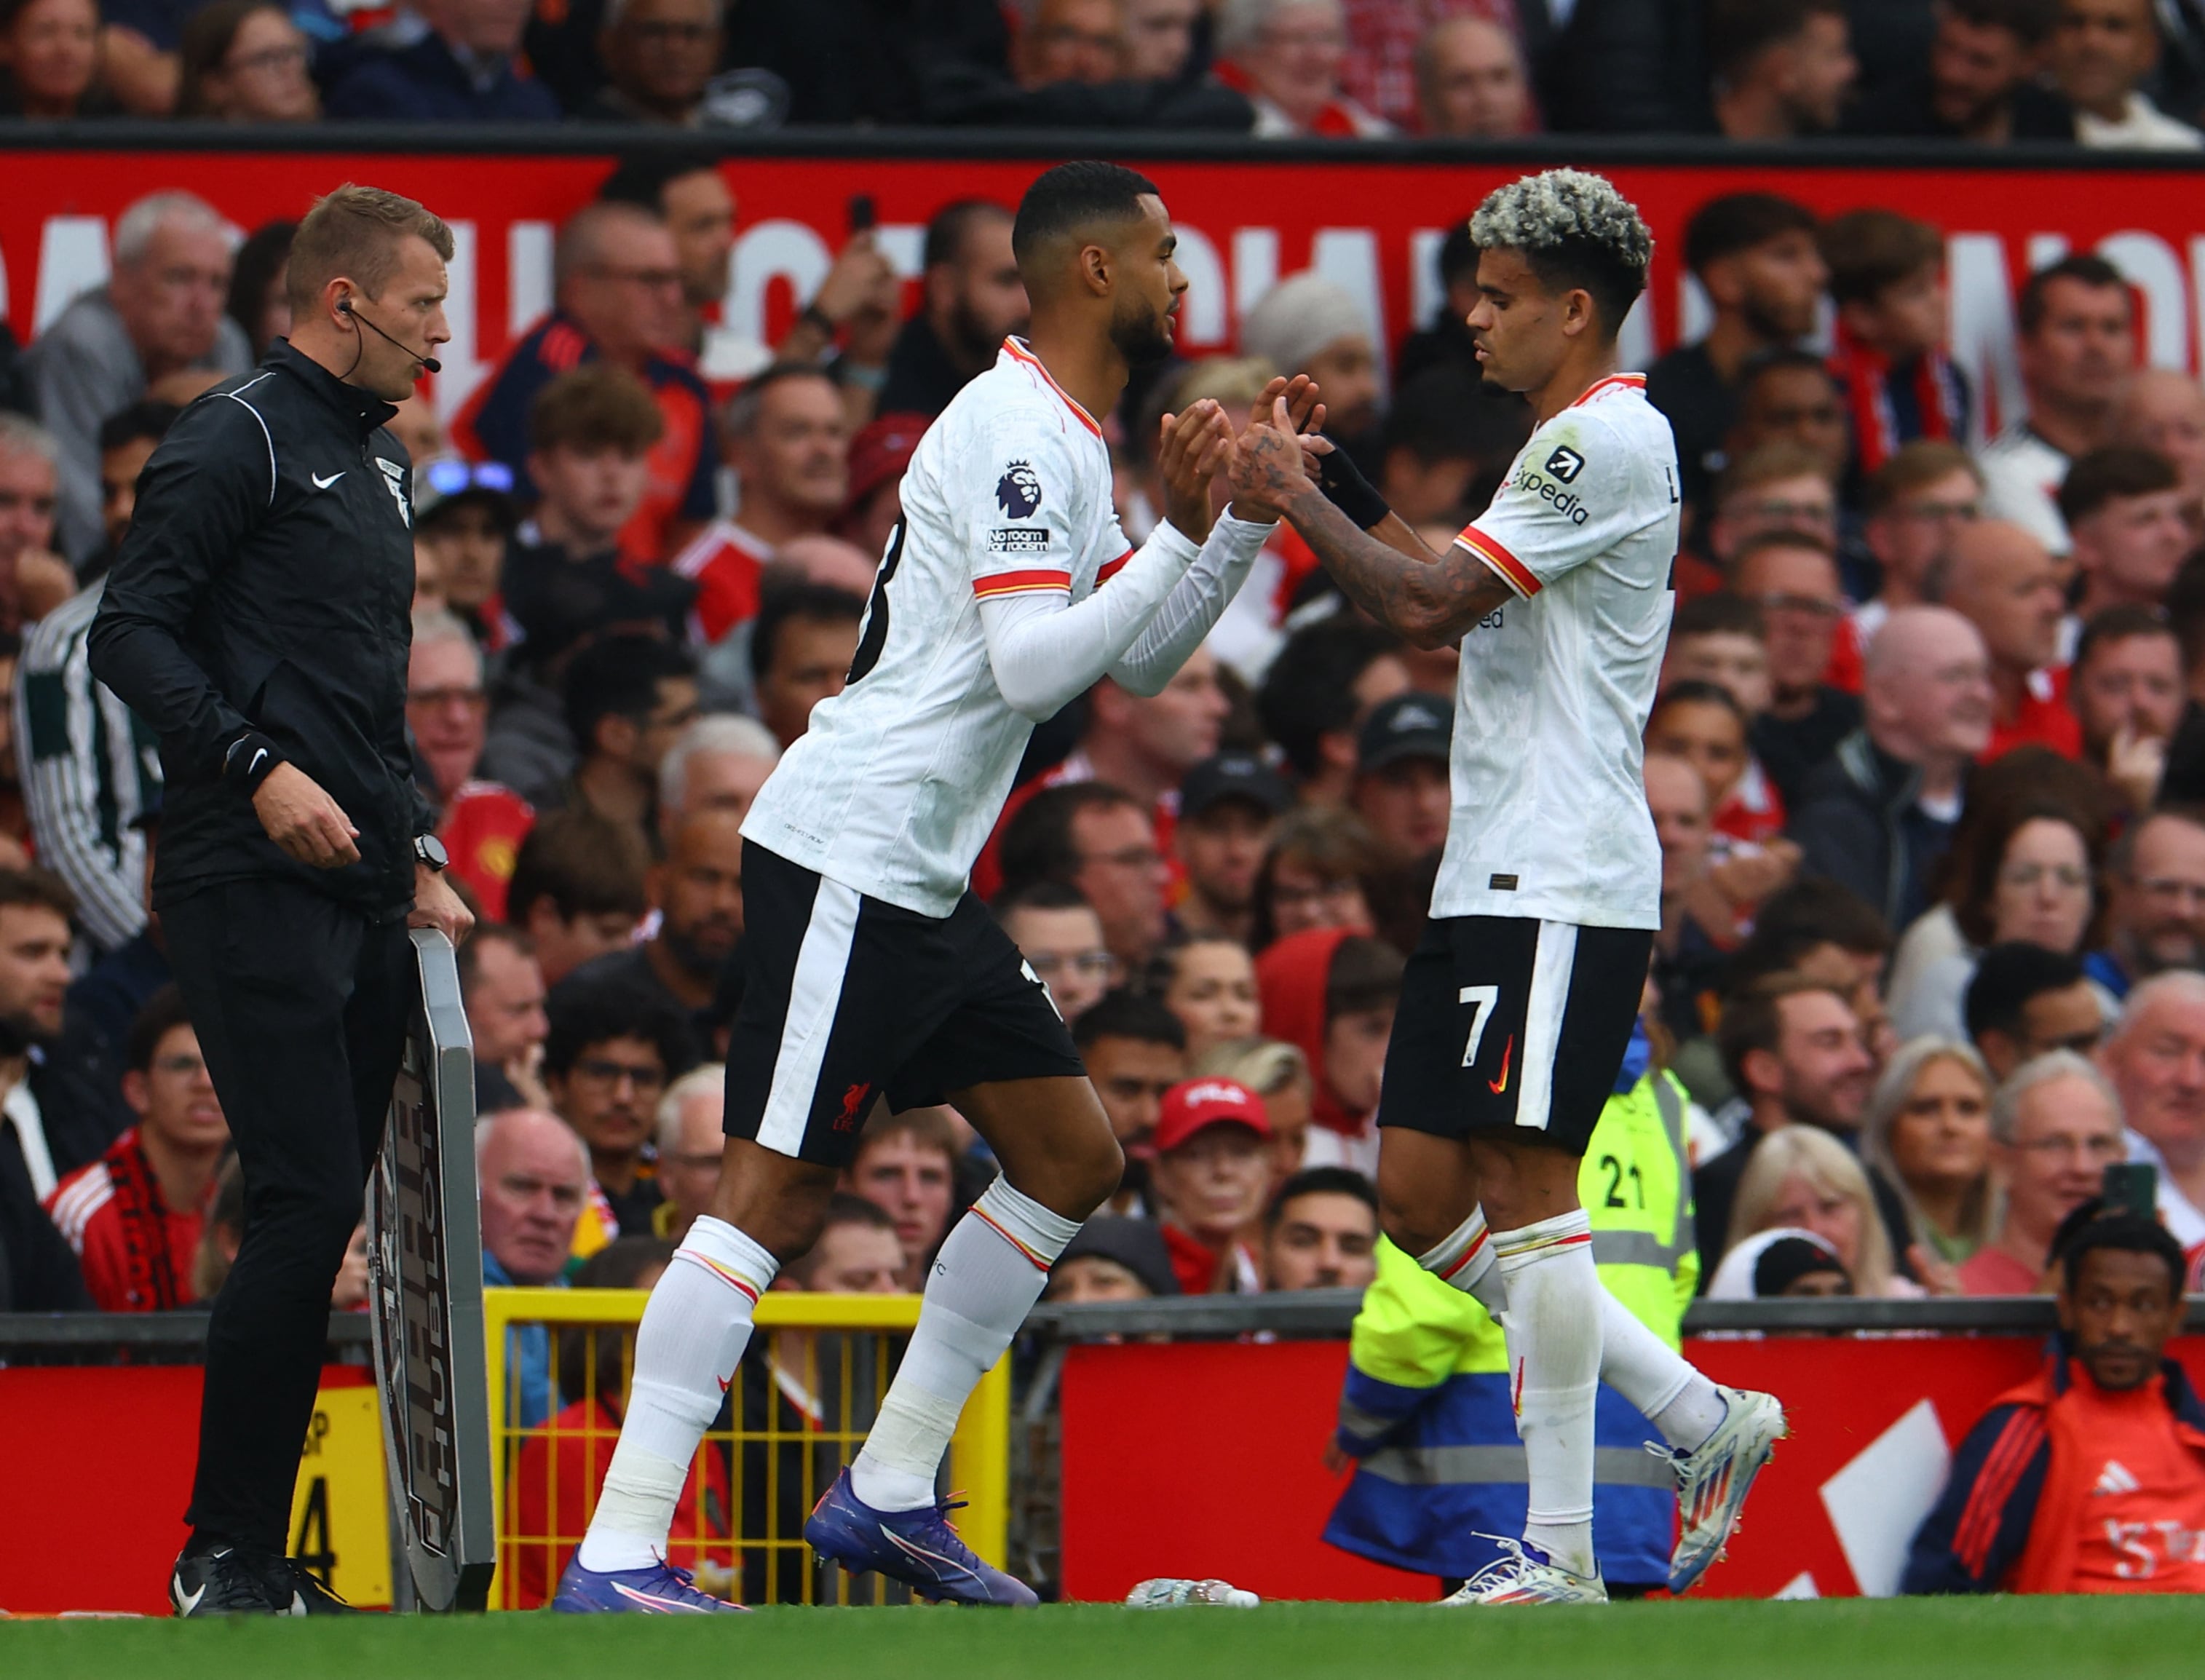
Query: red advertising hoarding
x=1373, y=225
x=1202, y=1459
x=99, y=1471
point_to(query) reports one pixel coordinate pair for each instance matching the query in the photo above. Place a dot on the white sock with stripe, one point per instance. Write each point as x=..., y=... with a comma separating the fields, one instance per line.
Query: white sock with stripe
x=694, y=1329
x=1679, y=1402
x=1684, y=1405
x=1464, y=1262
x=1554, y=1331
x=986, y=1279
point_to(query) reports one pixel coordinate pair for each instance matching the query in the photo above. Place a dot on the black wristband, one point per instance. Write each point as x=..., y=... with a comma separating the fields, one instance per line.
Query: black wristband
x=249, y=760
x=1347, y=490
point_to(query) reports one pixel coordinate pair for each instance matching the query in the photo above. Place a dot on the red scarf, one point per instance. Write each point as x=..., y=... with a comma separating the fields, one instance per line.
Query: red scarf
x=148, y=1256
x=1866, y=375
x=1336, y=119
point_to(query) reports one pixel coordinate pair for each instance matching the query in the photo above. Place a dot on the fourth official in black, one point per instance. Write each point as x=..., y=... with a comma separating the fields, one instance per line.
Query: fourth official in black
x=259, y=618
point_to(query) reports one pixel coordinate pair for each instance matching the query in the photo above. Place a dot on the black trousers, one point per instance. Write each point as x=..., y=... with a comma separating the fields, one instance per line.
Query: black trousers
x=301, y=1005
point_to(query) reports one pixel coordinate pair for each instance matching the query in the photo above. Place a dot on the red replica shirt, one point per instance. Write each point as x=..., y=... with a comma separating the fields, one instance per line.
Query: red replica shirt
x=482, y=831
x=136, y=1255
x=1753, y=810
x=562, y=1466
x=2143, y=1520
x=2043, y=718
x=681, y=489
x=726, y=563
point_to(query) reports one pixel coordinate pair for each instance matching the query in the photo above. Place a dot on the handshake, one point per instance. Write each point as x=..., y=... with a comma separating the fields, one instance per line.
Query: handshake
x=1201, y=444
x=1271, y=464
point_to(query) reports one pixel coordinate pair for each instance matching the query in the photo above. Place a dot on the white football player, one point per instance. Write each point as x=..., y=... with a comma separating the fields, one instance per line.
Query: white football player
x=1519, y=1000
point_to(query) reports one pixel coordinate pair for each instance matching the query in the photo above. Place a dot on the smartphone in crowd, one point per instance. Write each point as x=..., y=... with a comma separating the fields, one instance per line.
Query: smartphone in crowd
x=2132, y=1187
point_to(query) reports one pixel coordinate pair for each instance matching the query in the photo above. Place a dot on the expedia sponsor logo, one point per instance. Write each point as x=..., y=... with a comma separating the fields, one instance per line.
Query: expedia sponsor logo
x=1566, y=464
x=1566, y=502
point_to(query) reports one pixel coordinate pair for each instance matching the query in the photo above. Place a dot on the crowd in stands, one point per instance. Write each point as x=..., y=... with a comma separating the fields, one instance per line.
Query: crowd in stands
x=1927, y=769
x=2097, y=73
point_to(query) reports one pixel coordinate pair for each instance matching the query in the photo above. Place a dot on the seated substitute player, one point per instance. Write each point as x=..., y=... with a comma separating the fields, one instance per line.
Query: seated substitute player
x=1519, y=1003
x=1007, y=590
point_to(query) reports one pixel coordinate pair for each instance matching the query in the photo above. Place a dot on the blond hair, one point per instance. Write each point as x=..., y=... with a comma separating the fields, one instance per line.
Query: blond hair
x=1894, y=1091
x=353, y=233
x=1265, y=1065
x=1810, y=1153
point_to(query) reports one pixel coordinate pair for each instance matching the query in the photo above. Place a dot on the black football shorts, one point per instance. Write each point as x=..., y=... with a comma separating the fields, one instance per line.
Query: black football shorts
x=1512, y=1028
x=847, y=997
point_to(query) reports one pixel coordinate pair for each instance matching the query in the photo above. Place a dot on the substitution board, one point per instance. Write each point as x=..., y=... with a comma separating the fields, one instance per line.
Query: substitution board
x=425, y=1257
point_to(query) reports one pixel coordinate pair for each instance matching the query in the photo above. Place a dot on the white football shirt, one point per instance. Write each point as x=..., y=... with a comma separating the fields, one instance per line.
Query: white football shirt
x=895, y=786
x=1550, y=819
x=2022, y=475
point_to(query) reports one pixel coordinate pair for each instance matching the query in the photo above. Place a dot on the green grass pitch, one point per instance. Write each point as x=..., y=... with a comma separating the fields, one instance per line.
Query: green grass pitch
x=2009, y=1639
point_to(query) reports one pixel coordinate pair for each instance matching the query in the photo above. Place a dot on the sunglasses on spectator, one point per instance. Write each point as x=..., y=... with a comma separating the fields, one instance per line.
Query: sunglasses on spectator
x=453, y=477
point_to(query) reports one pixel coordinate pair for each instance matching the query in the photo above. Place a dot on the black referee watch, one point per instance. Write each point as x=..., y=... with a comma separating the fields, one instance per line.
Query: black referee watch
x=429, y=851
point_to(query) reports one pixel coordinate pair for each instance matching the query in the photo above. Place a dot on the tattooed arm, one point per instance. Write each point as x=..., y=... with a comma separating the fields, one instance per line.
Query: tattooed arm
x=1430, y=599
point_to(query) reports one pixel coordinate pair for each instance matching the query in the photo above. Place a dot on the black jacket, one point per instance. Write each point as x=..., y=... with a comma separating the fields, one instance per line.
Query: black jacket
x=1860, y=824
x=922, y=379
x=267, y=587
x=38, y=1273
x=1902, y=109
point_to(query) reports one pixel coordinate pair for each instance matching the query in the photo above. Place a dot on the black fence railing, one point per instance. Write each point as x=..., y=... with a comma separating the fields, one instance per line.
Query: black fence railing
x=147, y=1338
x=1318, y=1314
x=1310, y=1314
x=1134, y=144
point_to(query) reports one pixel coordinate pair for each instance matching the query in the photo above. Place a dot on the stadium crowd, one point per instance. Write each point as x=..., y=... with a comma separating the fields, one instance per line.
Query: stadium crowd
x=1927, y=769
x=2100, y=73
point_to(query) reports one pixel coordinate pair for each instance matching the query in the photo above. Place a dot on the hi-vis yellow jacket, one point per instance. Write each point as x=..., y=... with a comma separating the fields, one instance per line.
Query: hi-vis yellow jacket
x=1426, y=1408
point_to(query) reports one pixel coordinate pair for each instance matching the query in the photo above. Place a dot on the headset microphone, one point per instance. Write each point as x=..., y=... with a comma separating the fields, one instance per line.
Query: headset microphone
x=345, y=308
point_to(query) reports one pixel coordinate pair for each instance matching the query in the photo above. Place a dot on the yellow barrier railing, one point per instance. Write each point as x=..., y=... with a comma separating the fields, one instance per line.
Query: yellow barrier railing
x=560, y=1361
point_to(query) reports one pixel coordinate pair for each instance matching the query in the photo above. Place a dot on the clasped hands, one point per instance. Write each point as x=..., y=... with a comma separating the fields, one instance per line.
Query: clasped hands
x=1200, y=445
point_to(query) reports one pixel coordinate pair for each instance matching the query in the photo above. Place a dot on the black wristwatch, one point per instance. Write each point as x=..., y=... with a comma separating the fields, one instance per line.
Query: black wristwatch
x=428, y=850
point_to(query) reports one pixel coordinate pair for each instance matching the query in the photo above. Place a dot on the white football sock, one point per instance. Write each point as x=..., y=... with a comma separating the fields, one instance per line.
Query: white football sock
x=1684, y=1405
x=1554, y=1331
x=1464, y=1262
x=694, y=1329
x=986, y=1279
